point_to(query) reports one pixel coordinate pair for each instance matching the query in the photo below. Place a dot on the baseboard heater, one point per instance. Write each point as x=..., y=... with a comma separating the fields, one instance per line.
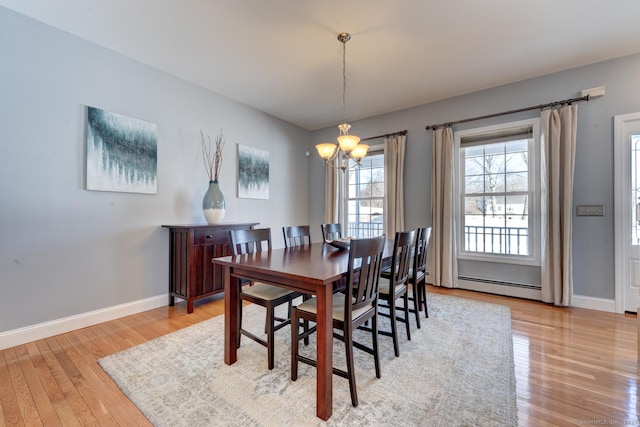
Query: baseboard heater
x=499, y=282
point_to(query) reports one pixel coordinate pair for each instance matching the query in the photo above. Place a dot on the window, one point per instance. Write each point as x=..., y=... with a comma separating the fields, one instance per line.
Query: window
x=365, y=196
x=498, y=193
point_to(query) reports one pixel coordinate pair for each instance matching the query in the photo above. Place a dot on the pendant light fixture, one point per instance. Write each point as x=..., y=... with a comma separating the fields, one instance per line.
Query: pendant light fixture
x=349, y=145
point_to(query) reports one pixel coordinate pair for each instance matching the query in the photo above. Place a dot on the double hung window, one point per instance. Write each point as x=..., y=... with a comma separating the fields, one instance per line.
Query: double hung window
x=499, y=196
x=365, y=196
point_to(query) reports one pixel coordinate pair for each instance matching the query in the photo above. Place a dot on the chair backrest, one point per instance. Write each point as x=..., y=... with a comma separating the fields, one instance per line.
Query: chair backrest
x=420, y=251
x=365, y=260
x=296, y=235
x=403, y=246
x=250, y=241
x=331, y=232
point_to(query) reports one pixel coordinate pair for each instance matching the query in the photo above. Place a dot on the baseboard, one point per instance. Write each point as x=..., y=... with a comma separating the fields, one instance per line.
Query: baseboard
x=66, y=324
x=526, y=292
x=593, y=303
x=580, y=301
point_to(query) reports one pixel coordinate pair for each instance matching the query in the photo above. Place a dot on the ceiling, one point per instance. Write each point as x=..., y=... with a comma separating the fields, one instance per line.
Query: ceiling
x=283, y=57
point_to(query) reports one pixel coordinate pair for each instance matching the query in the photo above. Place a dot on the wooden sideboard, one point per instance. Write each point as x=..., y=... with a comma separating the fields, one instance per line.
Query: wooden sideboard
x=192, y=275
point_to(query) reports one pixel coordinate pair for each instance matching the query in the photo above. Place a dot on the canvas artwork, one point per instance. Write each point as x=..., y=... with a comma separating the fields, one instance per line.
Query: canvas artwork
x=122, y=153
x=253, y=173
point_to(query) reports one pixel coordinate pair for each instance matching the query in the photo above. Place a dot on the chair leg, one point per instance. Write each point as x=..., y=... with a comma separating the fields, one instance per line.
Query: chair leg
x=374, y=335
x=305, y=327
x=270, y=337
x=406, y=314
x=423, y=290
x=305, y=322
x=394, y=326
x=348, y=343
x=294, y=344
x=417, y=302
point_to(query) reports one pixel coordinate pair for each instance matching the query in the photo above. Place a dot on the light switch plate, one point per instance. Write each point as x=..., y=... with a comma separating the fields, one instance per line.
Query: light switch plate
x=590, y=210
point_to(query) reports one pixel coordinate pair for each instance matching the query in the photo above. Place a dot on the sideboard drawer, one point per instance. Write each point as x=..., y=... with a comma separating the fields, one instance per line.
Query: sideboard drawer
x=210, y=236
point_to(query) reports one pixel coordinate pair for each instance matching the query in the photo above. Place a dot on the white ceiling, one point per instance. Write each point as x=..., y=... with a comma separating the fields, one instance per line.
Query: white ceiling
x=283, y=57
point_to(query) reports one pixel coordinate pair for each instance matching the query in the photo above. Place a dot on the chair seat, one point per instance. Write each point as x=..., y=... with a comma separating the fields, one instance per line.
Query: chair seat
x=265, y=292
x=419, y=276
x=311, y=306
x=383, y=286
x=386, y=273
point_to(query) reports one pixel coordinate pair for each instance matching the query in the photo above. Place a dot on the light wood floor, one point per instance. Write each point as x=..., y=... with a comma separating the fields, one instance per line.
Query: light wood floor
x=573, y=367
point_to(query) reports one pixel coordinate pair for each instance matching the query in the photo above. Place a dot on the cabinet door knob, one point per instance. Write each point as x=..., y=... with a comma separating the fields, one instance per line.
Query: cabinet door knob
x=209, y=236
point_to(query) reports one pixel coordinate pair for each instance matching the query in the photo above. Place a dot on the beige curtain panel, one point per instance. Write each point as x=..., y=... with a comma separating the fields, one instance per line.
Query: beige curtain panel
x=442, y=254
x=332, y=201
x=558, y=131
x=394, y=148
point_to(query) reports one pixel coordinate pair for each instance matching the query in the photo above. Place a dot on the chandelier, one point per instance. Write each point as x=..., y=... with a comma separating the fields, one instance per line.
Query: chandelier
x=348, y=145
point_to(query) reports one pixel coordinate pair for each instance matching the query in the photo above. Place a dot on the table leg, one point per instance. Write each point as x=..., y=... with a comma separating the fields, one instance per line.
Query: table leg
x=324, y=357
x=230, y=317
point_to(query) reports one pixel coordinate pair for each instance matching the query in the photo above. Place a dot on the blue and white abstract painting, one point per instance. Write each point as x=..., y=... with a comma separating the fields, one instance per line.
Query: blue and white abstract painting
x=253, y=173
x=122, y=153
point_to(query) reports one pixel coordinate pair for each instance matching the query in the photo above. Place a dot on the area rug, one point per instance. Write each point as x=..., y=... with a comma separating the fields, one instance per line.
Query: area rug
x=457, y=370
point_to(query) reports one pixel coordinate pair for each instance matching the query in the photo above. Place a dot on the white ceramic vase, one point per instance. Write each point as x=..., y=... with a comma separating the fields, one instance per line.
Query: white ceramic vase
x=213, y=204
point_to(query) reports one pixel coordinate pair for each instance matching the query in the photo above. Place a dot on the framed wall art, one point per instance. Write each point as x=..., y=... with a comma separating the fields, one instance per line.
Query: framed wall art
x=253, y=173
x=122, y=153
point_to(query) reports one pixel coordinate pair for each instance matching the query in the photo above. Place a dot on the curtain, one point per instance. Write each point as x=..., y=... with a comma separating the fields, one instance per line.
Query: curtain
x=394, y=148
x=558, y=144
x=332, y=200
x=442, y=254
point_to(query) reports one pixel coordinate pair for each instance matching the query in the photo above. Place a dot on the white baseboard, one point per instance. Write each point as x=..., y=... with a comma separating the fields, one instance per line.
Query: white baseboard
x=579, y=301
x=510, y=291
x=593, y=303
x=66, y=324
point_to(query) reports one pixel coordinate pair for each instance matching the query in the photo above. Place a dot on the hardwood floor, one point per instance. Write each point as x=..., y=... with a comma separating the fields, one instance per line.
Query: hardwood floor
x=573, y=367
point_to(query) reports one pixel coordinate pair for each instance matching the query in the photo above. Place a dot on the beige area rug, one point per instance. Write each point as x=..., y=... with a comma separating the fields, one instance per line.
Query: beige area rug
x=457, y=370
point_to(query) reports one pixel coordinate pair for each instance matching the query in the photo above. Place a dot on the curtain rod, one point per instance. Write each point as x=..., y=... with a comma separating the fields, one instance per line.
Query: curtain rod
x=386, y=135
x=488, y=116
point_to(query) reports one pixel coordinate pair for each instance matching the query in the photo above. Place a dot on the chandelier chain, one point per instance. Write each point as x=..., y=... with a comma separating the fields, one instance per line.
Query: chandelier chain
x=344, y=80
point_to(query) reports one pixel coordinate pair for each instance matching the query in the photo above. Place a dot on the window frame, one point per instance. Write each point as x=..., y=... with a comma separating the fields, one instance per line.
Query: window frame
x=373, y=150
x=534, y=208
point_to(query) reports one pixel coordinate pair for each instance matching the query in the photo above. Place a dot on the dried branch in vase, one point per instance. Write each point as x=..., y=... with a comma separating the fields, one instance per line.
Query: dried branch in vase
x=212, y=161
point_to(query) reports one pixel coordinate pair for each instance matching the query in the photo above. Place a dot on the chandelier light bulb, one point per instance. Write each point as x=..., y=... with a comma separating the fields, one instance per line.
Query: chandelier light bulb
x=326, y=150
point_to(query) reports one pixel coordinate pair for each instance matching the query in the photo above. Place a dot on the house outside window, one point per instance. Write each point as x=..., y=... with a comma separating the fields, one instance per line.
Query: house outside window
x=498, y=202
x=365, y=196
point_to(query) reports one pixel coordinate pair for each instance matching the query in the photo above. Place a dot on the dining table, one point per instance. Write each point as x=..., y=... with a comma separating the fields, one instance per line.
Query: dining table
x=312, y=269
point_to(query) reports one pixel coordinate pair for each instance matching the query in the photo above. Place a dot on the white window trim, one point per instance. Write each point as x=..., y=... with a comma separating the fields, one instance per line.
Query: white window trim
x=534, y=183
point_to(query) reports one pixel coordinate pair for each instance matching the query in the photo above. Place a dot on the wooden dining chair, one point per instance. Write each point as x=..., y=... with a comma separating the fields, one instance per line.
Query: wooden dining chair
x=395, y=285
x=418, y=273
x=268, y=296
x=296, y=235
x=331, y=232
x=351, y=309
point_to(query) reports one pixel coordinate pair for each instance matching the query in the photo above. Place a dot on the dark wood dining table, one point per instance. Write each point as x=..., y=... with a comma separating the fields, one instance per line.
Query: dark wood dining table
x=312, y=269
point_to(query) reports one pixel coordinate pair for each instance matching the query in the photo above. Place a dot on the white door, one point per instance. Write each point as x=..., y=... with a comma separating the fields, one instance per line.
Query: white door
x=627, y=211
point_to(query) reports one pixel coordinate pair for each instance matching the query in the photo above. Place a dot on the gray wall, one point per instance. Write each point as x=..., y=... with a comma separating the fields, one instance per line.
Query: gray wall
x=593, y=241
x=65, y=250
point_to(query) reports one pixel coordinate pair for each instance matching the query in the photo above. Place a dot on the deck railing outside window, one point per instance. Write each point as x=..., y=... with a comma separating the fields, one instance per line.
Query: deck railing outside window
x=364, y=229
x=496, y=240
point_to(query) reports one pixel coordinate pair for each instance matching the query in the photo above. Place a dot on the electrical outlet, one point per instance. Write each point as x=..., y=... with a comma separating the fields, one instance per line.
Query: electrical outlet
x=590, y=210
